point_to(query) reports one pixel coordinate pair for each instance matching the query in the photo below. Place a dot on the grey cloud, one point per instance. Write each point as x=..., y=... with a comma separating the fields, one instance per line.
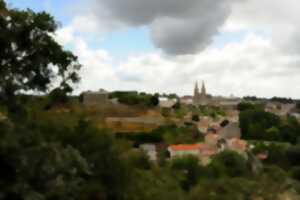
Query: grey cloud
x=177, y=27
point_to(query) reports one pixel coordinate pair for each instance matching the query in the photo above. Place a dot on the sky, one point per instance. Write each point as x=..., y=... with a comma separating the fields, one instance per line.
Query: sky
x=239, y=47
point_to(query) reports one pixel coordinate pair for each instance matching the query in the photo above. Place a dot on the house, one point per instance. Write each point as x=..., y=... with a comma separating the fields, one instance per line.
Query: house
x=237, y=145
x=296, y=115
x=279, y=109
x=186, y=100
x=203, y=124
x=184, y=150
x=232, y=130
x=95, y=98
x=202, y=151
x=150, y=150
x=206, y=152
x=212, y=139
x=232, y=116
x=166, y=103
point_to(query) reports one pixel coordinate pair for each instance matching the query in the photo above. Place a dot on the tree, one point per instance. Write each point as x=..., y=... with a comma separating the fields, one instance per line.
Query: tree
x=33, y=168
x=190, y=168
x=57, y=97
x=245, y=106
x=31, y=59
x=229, y=163
x=255, y=123
x=195, y=118
x=298, y=105
x=224, y=123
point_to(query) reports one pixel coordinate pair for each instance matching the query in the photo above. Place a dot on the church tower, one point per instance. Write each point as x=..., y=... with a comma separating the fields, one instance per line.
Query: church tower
x=203, y=89
x=197, y=95
x=200, y=98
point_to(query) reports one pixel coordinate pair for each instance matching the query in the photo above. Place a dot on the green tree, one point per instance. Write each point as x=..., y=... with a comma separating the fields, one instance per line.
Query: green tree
x=245, y=106
x=57, y=97
x=229, y=163
x=30, y=57
x=190, y=168
x=32, y=168
x=195, y=118
x=255, y=123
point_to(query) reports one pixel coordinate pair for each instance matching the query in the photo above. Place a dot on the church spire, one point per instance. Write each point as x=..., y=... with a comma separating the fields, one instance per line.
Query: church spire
x=196, y=90
x=203, y=89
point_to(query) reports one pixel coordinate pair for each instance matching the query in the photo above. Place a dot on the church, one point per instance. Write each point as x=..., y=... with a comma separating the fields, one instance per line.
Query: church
x=200, y=98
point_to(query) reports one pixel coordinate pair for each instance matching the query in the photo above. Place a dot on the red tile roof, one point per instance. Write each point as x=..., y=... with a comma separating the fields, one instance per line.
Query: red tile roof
x=186, y=147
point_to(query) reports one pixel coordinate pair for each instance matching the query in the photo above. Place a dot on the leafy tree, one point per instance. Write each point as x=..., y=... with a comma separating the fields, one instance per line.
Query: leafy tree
x=195, y=118
x=298, y=105
x=229, y=163
x=135, y=98
x=57, y=97
x=36, y=169
x=293, y=155
x=30, y=57
x=190, y=168
x=224, y=123
x=254, y=124
x=245, y=106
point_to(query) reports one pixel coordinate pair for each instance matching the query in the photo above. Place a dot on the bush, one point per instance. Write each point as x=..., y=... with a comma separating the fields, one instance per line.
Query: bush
x=195, y=118
x=229, y=163
x=255, y=123
x=57, y=97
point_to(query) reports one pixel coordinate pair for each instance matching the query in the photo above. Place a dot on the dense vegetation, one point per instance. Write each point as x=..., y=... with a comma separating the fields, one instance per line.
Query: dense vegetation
x=169, y=134
x=42, y=161
x=135, y=98
x=46, y=161
x=256, y=124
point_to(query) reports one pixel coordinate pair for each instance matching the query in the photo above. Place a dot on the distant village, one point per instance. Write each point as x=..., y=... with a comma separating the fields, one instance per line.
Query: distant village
x=219, y=131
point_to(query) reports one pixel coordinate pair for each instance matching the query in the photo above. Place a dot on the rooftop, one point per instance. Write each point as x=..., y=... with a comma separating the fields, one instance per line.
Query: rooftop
x=186, y=147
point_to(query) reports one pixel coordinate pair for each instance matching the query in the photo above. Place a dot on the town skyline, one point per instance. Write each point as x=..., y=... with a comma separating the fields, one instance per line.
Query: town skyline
x=237, y=54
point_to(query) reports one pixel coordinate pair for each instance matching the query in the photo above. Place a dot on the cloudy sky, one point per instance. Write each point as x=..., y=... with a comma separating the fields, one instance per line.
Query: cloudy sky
x=240, y=47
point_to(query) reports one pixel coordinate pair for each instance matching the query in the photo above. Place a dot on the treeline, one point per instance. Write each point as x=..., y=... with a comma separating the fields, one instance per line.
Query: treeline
x=135, y=98
x=274, y=99
x=256, y=124
x=42, y=161
x=168, y=134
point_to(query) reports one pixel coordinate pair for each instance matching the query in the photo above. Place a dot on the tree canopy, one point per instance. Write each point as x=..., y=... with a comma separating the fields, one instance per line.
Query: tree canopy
x=31, y=59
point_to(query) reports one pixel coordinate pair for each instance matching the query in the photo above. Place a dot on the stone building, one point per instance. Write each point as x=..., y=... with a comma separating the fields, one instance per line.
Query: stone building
x=100, y=97
x=200, y=98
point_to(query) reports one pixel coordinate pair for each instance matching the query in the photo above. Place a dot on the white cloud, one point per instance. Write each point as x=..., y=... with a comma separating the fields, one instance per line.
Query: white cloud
x=280, y=19
x=258, y=64
x=253, y=66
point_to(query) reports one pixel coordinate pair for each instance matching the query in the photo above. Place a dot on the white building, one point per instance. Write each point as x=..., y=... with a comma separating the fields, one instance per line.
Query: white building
x=166, y=103
x=150, y=150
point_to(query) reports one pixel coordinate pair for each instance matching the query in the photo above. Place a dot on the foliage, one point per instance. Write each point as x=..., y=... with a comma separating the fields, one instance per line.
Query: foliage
x=224, y=123
x=57, y=97
x=298, y=105
x=35, y=168
x=189, y=168
x=260, y=125
x=30, y=57
x=195, y=118
x=229, y=163
x=166, y=112
x=135, y=98
x=169, y=134
x=254, y=124
x=249, y=106
x=282, y=100
x=212, y=111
